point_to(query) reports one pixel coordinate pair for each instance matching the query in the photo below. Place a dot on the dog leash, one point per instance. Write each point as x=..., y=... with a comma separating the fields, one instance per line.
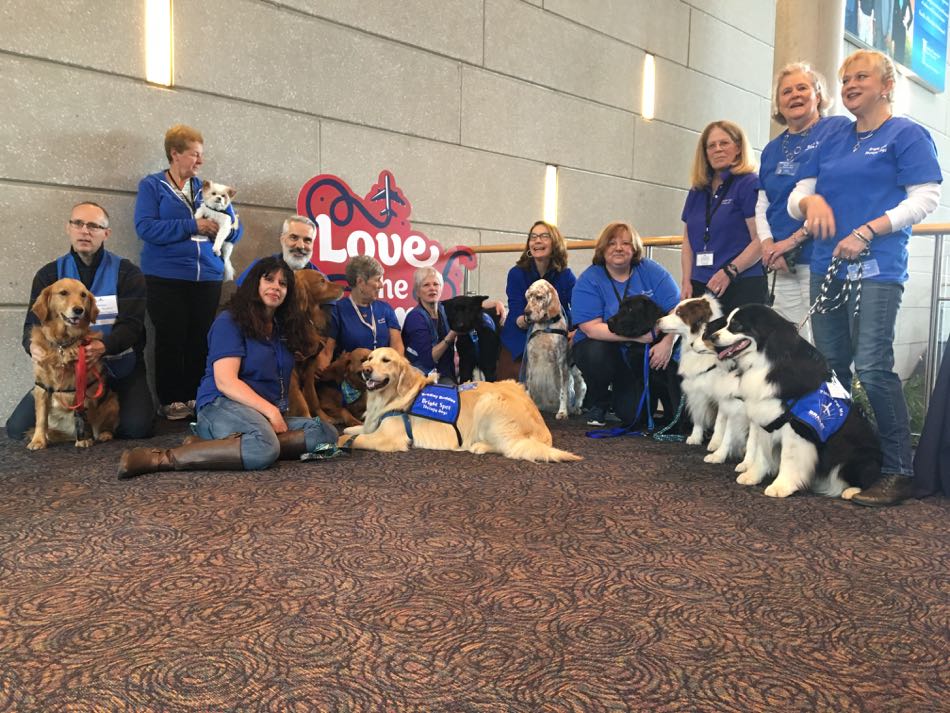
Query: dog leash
x=827, y=302
x=644, y=404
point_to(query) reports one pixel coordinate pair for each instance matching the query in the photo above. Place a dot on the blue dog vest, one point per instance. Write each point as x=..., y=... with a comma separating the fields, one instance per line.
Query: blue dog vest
x=823, y=411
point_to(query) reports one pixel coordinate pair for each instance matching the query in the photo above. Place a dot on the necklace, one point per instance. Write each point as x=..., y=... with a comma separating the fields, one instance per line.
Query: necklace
x=801, y=137
x=859, y=138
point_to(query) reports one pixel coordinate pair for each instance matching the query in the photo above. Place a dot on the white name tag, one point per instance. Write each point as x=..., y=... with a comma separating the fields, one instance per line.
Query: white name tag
x=704, y=259
x=837, y=390
x=870, y=268
x=108, y=304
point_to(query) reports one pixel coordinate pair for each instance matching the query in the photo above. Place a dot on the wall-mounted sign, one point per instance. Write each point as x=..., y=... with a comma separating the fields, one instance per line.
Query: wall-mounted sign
x=377, y=225
x=912, y=32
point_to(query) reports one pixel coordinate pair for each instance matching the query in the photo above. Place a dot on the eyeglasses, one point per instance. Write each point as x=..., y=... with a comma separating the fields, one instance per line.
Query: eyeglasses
x=91, y=227
x=713, y=145
x=542, y=236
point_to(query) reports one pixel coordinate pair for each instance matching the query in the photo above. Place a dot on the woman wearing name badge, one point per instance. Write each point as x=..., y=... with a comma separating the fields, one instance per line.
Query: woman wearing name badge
x=430, y=344
x=544, y=256
x=799, y=101
x=859, y=196
x=721, y=252
x=360, y=319
x=182, y=273
x=242, y=400
x=619, y=269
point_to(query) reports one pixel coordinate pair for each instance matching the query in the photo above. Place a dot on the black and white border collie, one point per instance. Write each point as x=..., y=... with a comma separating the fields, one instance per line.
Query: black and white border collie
x=777, y=368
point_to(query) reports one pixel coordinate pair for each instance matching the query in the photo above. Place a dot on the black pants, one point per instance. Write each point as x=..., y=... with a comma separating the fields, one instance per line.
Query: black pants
x=749, y=290
x=606, y=371
x=182, y=312
x=136, y=411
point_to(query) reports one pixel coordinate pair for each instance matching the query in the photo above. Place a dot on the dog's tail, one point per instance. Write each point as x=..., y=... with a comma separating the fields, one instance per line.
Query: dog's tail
x=528, y=449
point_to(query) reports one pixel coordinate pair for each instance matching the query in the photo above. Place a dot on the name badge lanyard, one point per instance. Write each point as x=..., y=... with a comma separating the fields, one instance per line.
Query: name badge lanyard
x=626, y=286
x=282, y=402
x=371, y=324
x=189, y=199
x=712, y=205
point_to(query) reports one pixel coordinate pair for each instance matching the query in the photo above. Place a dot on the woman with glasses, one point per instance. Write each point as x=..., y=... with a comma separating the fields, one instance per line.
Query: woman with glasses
x=242, y=400
x=613, y=365
x=544, y=257
x=721, y=252
x=182, y=272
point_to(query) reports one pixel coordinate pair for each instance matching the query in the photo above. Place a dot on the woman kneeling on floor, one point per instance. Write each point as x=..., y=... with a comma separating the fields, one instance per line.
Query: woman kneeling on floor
x=242, y=398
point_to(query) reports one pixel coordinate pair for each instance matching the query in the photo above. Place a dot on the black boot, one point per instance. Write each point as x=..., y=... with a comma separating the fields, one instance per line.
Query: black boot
x=891, y=489
x=293, y=444
x=222, y=454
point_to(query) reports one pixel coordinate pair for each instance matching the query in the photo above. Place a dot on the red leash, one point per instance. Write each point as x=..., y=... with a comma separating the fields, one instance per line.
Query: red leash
x=82, y=370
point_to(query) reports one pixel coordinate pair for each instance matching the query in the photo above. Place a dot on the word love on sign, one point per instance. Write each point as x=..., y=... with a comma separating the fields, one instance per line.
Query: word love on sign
x=377, y=225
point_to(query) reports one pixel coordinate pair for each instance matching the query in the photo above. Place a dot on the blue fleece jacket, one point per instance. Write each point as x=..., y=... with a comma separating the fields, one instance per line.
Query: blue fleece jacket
x=166, y=224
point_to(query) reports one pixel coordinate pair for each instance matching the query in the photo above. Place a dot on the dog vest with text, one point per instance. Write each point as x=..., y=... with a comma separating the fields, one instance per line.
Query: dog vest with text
x=823, y=411
x=104, y=287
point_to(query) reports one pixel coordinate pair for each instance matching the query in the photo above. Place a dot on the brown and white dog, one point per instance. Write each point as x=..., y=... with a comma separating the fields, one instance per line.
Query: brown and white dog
x=341, y=389
x=65, y=310
x=493, y=417
x=553, y=384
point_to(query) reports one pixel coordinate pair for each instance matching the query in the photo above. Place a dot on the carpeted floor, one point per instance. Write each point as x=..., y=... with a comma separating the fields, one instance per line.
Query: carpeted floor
x=639, y=579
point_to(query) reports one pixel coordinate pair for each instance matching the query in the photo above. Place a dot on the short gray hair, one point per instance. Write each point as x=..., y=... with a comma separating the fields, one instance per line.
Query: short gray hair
x=362, y=266
x=298, y=219
x=815, y=78
x=420, y=276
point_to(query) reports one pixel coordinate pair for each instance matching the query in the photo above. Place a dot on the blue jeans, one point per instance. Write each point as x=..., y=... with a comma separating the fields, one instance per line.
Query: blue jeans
x=259, y=445
x=869, y=343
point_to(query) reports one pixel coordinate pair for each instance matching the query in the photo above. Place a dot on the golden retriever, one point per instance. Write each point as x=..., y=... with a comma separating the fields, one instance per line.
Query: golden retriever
x=341, y=389
x=494, y=417
x=65, y=310
x=551, y=382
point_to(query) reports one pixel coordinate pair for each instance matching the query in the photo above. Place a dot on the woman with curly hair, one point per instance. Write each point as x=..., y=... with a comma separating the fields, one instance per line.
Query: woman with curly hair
x=242, y=399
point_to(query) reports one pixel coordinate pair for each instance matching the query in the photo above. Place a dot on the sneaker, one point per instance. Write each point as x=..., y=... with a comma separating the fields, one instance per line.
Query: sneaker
x=176, y=411
x=613, y=417
x=595, y=416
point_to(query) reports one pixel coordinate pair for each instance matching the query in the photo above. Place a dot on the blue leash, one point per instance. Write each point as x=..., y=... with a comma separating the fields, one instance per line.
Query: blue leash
x=644, y=404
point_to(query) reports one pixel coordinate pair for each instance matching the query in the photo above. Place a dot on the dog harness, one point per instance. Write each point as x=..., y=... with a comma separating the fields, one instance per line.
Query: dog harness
x=532, y=333
x=823, y=411
x=436, y=402
x=473, y=335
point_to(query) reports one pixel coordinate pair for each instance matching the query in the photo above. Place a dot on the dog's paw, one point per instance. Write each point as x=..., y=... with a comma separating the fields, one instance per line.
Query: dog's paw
x=85, y=443
x=749, y=477
x=561, y=415
x=742, y=467
x=714, y=443
x=779, y=489
x=353, y=430
x=849, y=493
x=104, y=436
x=716, y=457
x=480, y=447
x=694, y=440
x=37, y=444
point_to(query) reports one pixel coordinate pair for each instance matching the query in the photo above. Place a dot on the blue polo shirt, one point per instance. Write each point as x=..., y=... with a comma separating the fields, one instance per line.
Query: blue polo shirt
x=420, y=333
x=351, y=333
x=595, y=294
x=265, y=365
x=779, y=169
x=512, y=336
x=861, y=180
x=728, y=232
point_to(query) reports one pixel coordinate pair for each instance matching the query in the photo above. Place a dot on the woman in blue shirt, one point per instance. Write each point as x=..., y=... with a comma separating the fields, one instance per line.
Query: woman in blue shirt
x=182, y=273
x=799, y=101
x=619, y=269
x=544, y=256
x=429, y=342
x=860, y=194
x=242, y=400
x=721, y=253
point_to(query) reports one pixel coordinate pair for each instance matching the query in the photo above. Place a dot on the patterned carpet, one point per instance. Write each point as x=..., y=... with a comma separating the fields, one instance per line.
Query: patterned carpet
x=639, y=579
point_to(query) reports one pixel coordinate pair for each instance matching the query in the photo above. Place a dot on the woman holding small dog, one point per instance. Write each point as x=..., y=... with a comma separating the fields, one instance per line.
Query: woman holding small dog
x=429, y=342
x=721, y=253
x=544, y=257
x=182, y=273
x=620, y=269
x=361, y=320
x=243, y=397
x=799, y=101
x=859, y=195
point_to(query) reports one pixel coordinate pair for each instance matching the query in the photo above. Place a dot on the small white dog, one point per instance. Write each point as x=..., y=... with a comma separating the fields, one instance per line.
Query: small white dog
x=550, y=382
x=217, y=197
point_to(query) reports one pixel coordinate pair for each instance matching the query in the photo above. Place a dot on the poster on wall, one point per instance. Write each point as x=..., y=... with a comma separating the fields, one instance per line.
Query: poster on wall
x=377, y=224
x=912, y=32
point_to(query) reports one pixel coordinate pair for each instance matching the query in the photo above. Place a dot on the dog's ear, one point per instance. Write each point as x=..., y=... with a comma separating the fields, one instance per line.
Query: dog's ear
x=554, y=304
x=232, y=193
x=205, y=185
x=92, y=309
x=41, y=306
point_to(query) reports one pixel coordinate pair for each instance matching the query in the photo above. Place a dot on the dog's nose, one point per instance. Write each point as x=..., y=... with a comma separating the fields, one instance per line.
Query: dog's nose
x=78, y=311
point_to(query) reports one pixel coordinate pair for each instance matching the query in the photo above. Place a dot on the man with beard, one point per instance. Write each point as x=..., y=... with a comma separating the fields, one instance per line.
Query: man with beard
x=296, y=242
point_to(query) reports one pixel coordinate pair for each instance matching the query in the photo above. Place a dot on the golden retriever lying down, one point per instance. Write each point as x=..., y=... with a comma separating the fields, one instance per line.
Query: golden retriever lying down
x=496, y=417
x=65, y=310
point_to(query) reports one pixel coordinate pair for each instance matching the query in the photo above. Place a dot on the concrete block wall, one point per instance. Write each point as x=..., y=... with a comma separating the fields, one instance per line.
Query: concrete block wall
x=464, y=100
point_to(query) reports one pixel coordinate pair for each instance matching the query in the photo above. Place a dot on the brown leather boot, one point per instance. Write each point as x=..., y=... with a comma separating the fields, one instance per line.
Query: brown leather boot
x=293, y=444
x=222, y=454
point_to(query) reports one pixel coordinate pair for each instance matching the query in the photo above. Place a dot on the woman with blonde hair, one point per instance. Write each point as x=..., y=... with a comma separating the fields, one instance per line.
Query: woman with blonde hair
x=799, y=101
x=429, y=341
x=611, y=363
x=544, y=257
x=721, y=252
x=859, y=196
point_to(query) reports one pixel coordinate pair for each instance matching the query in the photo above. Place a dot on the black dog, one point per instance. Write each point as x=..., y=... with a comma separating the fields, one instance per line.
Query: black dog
x=478, y=341
x=636, y=317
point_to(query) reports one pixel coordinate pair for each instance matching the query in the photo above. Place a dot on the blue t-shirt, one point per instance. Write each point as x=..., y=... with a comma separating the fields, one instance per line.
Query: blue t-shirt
x=265, y=365
x=728, y=231
x=420, y=333
x=596, y=293
x=351, y=332
x=779, y=168
x=512, y=336
x=861, y=180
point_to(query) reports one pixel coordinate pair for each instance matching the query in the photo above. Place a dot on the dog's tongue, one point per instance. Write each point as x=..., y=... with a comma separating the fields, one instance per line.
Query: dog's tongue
x=734, y=349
